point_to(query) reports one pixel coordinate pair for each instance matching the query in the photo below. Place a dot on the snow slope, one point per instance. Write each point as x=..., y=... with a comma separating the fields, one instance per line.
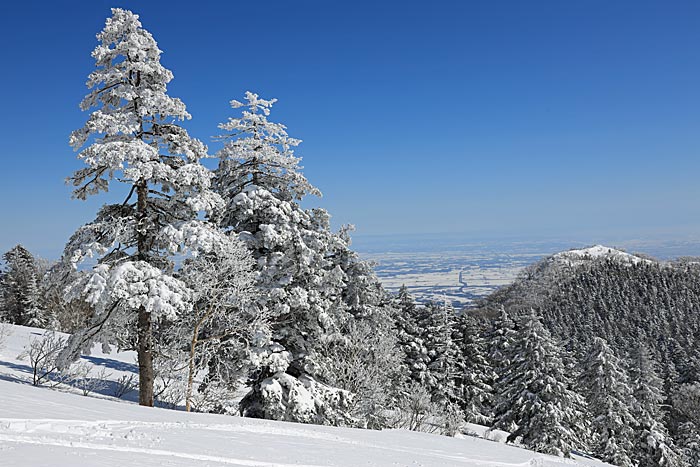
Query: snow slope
x=44, y=427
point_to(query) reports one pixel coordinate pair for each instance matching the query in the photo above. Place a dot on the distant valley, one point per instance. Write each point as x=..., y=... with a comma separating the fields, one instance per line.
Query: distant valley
x=438, y=268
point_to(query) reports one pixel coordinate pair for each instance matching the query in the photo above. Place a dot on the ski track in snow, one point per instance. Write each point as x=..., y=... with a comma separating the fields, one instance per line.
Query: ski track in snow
x=154, y=452
x=52, y=432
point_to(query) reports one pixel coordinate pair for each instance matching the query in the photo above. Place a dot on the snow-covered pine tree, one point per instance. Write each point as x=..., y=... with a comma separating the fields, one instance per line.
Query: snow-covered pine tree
x=475, y=377
x=132, y=136
x=20, y=300
x=686, y=407
x=500, y=340
x=605, y=384
x=409, y=335
x=535, y=401
x=69, y=316
x=259, y=177
x=653, y=444
x=430, y=351
x=442, y=372
x=687, y=437
x=686, y=401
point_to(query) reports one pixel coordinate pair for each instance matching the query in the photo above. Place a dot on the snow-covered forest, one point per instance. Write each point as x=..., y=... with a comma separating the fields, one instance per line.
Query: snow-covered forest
x=232, y=298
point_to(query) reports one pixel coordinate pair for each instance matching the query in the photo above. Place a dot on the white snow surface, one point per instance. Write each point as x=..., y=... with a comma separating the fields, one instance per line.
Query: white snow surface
x=45, y=427
x=598, y=251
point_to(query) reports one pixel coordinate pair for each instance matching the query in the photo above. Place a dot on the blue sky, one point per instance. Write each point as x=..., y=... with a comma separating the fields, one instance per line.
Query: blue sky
x=492, y=118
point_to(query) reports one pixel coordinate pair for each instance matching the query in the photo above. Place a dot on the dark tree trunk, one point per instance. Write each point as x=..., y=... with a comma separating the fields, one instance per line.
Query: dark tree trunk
x=145, y=356
x=144, y=327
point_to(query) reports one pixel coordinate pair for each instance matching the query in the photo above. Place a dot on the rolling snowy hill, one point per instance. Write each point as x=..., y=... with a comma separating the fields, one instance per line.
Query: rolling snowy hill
x=597, y=252
x=40, y=426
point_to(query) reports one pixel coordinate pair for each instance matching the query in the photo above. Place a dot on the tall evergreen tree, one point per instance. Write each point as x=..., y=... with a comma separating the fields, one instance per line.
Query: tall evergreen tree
x=409, y=335
x=535, y=402
x=304, y=280
x=686, y=408
x=438, y=322
x=500, y=340
x=132, y=136
x=20, y=299
x=654, y=446
x=605, y=383
x=475, y=374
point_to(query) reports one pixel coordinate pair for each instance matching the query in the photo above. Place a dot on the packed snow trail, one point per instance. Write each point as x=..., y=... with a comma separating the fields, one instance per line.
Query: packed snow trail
x=79, y=433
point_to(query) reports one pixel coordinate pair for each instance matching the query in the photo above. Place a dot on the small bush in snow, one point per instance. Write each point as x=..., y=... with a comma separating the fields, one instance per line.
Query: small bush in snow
x=81, y=376
x=416, y=412
x=42, y=353
x=170, y=386
x=124, y=385
x=5, y=333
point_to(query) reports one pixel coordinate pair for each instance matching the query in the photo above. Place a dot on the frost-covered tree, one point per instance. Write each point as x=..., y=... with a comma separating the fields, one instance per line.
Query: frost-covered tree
x=605, y=384
x=322, y=300
x=688, y=440
x=409, y=335
x=500, y=340
x=133, y=137
x=70, y=315
x=475, y=375
x=654, y=446
x=362, y=356
x=257, y=154
x=301, y=282
x=223, y=323
x=686, y=403
x=536, y=403
x=438, y=324
x=430, y=351
x=20, y=294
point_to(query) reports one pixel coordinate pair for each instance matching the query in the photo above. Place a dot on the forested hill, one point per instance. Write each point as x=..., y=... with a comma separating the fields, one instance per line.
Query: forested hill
x=626, y=299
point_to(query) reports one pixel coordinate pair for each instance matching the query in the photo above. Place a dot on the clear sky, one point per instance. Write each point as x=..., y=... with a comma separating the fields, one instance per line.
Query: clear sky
x=487, y=117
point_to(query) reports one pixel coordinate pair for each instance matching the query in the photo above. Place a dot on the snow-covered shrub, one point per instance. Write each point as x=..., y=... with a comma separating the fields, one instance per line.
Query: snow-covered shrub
x=80, y=375
x=224, y=319
x=170, y=385
x=5, y=333
x=42, y=353
x=416, y=411
x=303, y=399
x=124, y=385
x=215, y=397
x=362, y=358
x=279, y=395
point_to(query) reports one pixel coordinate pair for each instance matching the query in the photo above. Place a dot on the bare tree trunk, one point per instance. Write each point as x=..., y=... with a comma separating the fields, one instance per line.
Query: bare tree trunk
x=144, y=327
x=145, y=357
x=190, y=374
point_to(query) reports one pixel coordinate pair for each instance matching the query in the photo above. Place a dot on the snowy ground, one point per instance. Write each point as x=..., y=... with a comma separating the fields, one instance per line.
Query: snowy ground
x=459, y=277
x=44, y=427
